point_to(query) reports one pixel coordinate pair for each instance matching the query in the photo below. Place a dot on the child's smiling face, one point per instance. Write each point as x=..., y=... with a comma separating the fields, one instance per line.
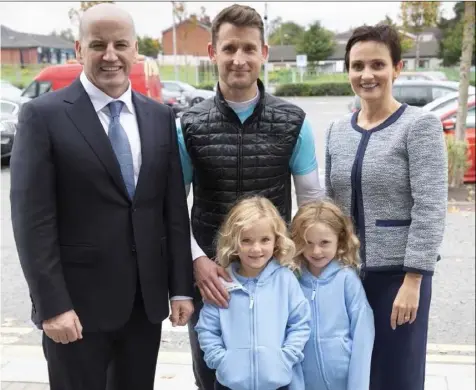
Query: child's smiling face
x=321, y=247
x=256, y=247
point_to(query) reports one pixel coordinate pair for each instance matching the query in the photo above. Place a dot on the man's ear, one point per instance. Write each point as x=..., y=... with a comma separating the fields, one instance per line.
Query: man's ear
x=265, y=51
x=77, y=49
x=211, y=53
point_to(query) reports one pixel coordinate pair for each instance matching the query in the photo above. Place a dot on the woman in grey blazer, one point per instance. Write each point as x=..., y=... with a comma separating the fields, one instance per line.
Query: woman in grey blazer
x=386, y=166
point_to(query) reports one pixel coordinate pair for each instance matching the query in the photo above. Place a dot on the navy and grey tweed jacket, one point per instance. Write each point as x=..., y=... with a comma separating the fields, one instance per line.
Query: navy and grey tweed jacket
x=393, y=181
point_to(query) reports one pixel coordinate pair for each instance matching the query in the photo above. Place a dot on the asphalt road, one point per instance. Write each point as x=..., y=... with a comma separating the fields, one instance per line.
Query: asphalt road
x=453, y=305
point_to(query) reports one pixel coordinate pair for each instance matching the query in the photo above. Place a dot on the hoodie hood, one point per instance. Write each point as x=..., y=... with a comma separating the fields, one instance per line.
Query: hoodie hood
x=326, y=276
x=265, y=275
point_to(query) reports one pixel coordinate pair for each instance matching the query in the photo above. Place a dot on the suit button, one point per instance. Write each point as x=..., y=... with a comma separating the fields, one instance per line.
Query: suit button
x=134, y=248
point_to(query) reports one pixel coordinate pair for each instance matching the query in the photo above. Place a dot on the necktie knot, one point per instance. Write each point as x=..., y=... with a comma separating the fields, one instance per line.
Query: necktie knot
x=115, y=108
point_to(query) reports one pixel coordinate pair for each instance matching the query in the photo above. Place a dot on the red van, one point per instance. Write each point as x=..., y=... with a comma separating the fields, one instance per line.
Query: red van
x=144, y=78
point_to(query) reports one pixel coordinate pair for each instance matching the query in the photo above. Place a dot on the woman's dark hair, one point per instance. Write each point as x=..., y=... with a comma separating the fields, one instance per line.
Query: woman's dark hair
x=382, y=33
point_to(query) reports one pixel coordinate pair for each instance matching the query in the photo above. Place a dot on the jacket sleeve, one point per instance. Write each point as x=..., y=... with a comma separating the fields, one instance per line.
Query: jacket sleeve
x=210, y=338
x=177, y=223
x=362, y=330
x=328, y=188
x=298, y=328
x=34, y=215
x=428, y=169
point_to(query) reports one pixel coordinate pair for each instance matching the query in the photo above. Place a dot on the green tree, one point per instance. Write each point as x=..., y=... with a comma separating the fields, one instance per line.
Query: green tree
x=452, y=42
x=317, y=42
x=287, y=33
x=416, y=16
x=148, y=46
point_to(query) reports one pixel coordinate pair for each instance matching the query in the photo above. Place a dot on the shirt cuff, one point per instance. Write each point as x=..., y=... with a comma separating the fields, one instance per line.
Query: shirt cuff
x=180, y=298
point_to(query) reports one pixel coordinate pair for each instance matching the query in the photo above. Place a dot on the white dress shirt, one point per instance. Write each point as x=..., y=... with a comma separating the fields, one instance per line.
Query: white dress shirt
x=128, y=121
x=128, y=117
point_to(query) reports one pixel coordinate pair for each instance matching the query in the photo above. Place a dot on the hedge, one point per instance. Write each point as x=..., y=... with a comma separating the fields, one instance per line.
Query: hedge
x=315, y=89
x=207, y=86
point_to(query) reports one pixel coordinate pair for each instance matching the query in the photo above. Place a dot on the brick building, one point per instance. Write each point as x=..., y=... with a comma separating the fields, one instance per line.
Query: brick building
x=19, y=48
x=192, y=37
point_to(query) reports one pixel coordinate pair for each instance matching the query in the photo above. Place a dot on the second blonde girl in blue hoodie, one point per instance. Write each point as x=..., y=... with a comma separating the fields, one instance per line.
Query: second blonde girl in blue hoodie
x=339, y=351
x=257, y=342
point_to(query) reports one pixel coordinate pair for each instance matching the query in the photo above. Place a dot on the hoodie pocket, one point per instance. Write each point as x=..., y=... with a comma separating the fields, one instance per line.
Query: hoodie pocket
x=234, y=371
x=273, y=372
x=336, y=358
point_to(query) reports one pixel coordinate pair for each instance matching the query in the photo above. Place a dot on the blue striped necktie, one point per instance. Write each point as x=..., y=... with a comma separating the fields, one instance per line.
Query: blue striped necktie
x=121, y=146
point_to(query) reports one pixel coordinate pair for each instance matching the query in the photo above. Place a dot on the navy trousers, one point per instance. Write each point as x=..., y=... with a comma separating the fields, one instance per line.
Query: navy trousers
x=399, y=356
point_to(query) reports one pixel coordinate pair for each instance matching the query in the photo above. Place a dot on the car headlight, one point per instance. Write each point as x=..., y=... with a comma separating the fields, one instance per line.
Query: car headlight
x=8, y=126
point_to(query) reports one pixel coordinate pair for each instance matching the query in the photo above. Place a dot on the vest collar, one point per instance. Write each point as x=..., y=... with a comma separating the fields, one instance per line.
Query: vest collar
x=226, y=110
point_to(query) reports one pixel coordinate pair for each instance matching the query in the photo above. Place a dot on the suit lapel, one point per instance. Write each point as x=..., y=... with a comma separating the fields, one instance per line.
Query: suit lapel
x=147, y=139
x=82, y=114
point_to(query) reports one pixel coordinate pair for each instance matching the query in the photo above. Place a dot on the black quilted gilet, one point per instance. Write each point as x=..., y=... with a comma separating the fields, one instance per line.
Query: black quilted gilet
x=233, y=160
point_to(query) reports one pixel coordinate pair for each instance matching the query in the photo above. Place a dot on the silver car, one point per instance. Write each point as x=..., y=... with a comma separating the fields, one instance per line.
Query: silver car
x=417, y=92
x=191, y=94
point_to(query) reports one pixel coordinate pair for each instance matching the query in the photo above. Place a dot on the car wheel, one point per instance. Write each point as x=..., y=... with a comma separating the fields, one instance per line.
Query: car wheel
x=197, y=100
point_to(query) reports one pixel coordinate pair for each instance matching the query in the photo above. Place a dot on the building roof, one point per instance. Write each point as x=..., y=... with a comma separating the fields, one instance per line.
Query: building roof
x=282, y=53
x=287, y=53
x=11, y=39
x=199, y=24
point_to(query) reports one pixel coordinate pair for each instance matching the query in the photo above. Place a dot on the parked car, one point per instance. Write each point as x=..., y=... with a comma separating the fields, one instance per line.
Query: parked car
x=417, y=92
x=175, y=100
x=8, y=90
x=144, y=78
x=429, y=75
x=8, y=128
x=447, y=114
x=444, y=101
x=192, y=95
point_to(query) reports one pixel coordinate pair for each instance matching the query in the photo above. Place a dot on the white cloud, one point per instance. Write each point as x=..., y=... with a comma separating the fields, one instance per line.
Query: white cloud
x=151, y=18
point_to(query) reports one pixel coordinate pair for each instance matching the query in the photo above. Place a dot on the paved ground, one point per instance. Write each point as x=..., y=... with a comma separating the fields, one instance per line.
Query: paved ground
x=452, y=316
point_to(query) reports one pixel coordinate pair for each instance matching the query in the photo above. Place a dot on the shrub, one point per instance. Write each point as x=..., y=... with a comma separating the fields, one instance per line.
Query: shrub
x=315, y=89
x=458, y=160
x=207, y=86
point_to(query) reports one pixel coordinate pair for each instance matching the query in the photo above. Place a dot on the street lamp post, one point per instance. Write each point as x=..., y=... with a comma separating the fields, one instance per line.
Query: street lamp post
x=266, y=42
x=174, y=40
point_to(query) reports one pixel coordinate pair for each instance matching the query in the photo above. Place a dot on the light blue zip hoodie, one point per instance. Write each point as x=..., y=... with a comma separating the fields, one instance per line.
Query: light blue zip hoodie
x=257, y=343
x=338, y=353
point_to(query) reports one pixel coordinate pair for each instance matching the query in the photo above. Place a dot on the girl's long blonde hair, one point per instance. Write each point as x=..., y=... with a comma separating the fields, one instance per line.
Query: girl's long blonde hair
x=331, y=215
x=242, y=216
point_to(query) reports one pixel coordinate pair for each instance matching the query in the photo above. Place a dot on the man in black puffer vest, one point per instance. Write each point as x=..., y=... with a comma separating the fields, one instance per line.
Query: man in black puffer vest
x=242, y=142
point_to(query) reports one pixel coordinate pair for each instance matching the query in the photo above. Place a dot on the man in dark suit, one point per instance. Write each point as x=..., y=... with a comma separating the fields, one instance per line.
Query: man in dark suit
x=100, y=217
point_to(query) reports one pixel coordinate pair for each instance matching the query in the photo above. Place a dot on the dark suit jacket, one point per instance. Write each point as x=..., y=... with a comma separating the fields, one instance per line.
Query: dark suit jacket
x=82, y=243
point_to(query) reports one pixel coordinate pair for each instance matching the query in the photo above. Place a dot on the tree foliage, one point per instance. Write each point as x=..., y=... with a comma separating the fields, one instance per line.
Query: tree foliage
x=317, y=42
x=287, y=33
x=416, y=16
x=452, y=42
x=148, y=46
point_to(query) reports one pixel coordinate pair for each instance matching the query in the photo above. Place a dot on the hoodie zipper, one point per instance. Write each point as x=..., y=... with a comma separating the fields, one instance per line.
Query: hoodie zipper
x=316, y=336
x=253, y=336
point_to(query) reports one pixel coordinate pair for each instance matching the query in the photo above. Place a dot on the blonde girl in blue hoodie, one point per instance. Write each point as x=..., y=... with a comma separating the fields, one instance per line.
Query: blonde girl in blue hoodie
x=338, y=353
x=257, y=342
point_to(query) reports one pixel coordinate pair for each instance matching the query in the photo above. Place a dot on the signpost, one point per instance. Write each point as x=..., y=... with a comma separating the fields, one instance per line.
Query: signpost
x=301, y=63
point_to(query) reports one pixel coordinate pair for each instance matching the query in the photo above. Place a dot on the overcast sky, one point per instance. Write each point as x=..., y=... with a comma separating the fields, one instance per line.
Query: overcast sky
x=151, y=18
